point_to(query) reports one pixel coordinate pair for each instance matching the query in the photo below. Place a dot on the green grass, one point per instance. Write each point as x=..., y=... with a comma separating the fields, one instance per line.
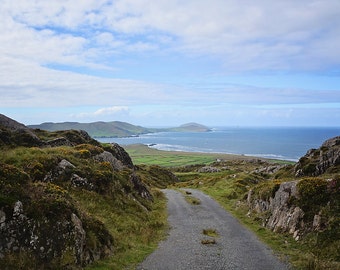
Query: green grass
x=135, y=230
x=210, y=232
x=192, y=200
x=142, y=154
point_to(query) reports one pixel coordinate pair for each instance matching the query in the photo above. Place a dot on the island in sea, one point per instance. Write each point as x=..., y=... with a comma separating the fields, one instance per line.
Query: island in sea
x=116, y=129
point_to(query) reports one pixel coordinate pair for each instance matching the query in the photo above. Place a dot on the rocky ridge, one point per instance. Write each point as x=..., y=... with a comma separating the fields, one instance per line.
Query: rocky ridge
x=319, y=161
x=306, y=203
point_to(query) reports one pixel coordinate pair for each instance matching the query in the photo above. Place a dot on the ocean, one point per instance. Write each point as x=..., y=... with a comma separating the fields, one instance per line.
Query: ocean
x=276, y=143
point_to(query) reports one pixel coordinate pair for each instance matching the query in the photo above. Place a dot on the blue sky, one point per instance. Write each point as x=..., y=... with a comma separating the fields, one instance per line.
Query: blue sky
x=165, y=63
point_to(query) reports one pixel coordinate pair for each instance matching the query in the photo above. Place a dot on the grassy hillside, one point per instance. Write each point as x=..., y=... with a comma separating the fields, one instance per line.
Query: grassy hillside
x=116, y=128
x=97, y=129
x=67, y=201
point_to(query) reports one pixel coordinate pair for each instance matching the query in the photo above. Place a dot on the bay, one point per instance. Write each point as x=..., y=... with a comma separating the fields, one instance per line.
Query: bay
x=277, y=143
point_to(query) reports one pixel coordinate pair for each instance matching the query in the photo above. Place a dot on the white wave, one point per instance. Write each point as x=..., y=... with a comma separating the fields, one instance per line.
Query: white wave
x=273, y=156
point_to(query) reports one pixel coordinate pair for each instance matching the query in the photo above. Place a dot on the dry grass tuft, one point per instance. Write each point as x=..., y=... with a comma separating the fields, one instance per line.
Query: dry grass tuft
x=208, y=241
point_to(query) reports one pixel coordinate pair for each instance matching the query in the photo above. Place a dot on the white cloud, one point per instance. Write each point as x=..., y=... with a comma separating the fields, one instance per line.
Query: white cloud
x=243, y=34
x=25, y=84
x=67, y=54
x=111, y=110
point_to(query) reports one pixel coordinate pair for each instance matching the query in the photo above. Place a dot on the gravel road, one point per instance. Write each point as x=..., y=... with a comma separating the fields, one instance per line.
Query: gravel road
x=235, y=247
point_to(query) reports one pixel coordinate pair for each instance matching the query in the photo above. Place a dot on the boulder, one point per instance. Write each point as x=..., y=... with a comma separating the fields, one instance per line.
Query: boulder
x=58, y=238
x=119, y=153
x=108, y=157
x=61, y=171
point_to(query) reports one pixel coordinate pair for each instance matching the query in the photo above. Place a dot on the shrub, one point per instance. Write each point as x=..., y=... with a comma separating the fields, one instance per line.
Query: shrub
x=312, y=195
x=267, y=189
x=92, y=149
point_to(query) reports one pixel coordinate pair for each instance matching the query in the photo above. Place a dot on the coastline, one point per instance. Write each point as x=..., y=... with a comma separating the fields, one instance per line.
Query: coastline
x=288, y=144
x=167, y=148
x=143, y=154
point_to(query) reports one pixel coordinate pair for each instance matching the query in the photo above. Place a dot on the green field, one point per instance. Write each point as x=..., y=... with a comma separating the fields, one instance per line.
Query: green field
x=142, y=154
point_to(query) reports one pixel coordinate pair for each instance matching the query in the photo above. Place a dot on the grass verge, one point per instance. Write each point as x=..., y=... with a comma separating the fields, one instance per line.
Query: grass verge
x=136, y=233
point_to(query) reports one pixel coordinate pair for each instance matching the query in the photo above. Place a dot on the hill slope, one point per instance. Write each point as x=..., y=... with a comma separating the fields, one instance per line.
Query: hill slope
x=67, y=201
x=116, y=128
x=97, y=129
x=190, y=127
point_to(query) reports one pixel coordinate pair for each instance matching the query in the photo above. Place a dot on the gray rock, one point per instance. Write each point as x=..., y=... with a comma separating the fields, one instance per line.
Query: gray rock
x=108, y=157
x=63, y=167
x=140, y=187
x=61, y=141
x=80, y=238
x=119, y=153
x=283, y=216
x=318, y=161
x=208, y=169
x=48, y=239
x=269, y=169
x=81, y=182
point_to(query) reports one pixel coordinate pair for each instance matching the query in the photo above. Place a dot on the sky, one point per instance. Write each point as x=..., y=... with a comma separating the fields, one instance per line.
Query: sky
x=169, y=62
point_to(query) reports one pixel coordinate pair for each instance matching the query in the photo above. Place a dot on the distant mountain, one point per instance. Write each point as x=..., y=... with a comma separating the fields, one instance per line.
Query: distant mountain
x=116, y=128
x=191, y=127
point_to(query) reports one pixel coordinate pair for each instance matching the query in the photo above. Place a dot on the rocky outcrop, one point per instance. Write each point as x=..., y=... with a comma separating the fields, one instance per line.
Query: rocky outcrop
x=108, y=157
x=295, y=207
x=70, y=138
x=80, y=182
x=140, y=187
x=51, y=240
x=321, y=160
x=281, y=215
x=119, y=153
x=208, y=169
x=60, y=172
x=13, y=132
x=270, y=169
x=59, y=142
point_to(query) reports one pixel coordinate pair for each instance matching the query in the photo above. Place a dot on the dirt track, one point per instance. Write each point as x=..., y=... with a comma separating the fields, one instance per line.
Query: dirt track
x=235, y=247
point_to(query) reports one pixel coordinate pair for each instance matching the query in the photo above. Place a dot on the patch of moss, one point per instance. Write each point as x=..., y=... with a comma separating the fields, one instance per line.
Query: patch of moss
x=192, y=200
x=97, y=234
x=13, y=183
x=210, y=232
x=156, y=176
x=309, y=168
x=90, y=148
x=267, y=189
x=48, y=200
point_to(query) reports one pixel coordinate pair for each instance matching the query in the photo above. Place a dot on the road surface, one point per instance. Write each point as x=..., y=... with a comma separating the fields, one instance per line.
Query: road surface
x=233, y=246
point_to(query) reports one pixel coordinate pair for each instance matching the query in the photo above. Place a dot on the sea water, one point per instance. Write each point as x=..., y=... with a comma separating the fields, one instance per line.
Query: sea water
x=277, y=143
